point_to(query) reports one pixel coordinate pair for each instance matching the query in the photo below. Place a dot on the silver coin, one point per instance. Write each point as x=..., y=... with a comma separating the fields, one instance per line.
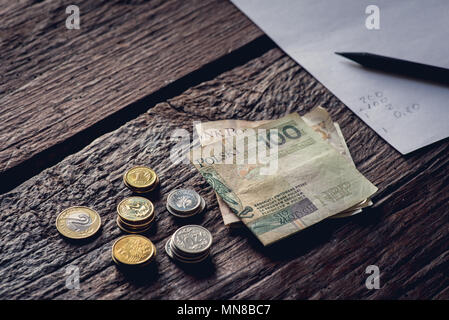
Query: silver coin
x=192, y=239
x=79, y=221
x=190, y=258
x=197, y=260
x=186, y=255
x=173, y=255
x=187, y=215
x=183, y=201
x=168, y=248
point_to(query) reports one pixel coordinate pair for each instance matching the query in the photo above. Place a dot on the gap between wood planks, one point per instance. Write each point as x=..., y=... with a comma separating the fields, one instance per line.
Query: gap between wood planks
x=15, y=176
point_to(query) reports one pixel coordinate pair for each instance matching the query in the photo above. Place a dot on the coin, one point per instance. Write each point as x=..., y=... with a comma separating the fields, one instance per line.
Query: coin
x=133, y=250
x=135, y=226
x=192, y=239
x=141, y=179
x=145, y=190
x=183, y=200
x=132, y=229
x=185, y=203
x=78, y=222
x=136, y=210
x=202, y=258
x=122, y=265
x=168, y=248
x=184, y=259
x=175, y=254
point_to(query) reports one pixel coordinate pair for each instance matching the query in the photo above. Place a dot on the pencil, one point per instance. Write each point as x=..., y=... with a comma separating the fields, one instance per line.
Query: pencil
x=398, y=66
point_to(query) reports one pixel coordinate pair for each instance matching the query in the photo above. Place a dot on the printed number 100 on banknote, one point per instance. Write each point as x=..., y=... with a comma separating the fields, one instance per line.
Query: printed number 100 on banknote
x=281, y=177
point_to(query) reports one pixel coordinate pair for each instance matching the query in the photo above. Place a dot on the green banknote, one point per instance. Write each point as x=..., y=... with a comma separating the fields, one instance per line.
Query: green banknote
x=318, y=119
x=281, y=177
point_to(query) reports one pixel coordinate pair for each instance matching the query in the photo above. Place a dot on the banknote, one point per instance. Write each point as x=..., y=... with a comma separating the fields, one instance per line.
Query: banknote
x=212, y=131
x=311, y=181
x=318, y=119
x=367, y=202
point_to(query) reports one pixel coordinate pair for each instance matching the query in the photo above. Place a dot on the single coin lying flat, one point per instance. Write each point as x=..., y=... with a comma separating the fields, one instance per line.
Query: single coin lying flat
x=78, y=222
x=133, y=251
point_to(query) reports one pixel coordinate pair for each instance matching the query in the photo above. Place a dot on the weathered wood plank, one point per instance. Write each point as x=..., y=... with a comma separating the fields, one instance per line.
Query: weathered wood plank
x=56, y=82
x=405, y=234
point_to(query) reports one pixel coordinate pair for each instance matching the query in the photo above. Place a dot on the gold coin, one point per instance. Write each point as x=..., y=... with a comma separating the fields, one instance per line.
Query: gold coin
x=135, y=210
x=136, y=190
x=132, y=229
x=133, y=250
x=140, y=178
x=135, y=226
x=139, y=265
x=78, y=222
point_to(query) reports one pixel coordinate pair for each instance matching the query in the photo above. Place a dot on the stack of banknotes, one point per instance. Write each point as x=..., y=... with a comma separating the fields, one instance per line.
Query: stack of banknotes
x=280, y=176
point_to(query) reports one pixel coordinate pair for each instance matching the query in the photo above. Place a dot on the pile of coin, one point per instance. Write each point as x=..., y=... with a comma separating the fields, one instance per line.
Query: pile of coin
x=133, y=251
x=141, y=179
x=78, y=222
x=189, y=244
x=135, y=214
x=185, y=203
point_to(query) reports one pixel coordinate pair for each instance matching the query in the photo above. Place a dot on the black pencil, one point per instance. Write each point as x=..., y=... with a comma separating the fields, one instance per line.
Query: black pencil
x=398, y=66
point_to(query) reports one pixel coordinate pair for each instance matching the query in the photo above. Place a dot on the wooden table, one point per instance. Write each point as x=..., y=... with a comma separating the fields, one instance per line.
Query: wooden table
x=79, y=107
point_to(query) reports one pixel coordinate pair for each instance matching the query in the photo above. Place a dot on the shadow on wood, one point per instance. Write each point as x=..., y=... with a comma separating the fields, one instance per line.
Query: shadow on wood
x=308, y=239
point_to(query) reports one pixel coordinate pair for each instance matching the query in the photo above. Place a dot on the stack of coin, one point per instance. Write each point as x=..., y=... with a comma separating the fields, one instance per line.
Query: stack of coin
x=133, y=251
x=135, y=214
x=189, y=244
x=141, y=179
x=78, y=222
x=185, y=203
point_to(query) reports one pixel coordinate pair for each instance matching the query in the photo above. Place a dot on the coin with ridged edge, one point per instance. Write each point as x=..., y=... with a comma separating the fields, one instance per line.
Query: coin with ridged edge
x=184, y=200
x=192, y=239
x=142, y=191
x=168, y=248
x=136, y=226
x=184, y=203
x=78, y=222
x=133, y=250
x=132, y=229
x=135, y=210
x=174, y=254
x=141, y=179
x=135, y=266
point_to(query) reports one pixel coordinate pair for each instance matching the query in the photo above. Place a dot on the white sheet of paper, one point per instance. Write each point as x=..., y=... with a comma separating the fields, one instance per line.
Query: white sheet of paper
x=408, y=113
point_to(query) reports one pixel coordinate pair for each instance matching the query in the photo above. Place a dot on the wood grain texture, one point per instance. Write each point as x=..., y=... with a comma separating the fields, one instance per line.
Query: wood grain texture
x=406, y=233
x=56, y=82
